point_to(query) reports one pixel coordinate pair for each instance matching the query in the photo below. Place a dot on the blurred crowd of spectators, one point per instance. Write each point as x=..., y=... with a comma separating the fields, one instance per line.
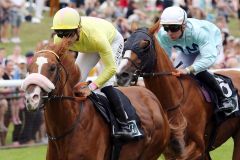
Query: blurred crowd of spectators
x=12, y=107
x=122, y=13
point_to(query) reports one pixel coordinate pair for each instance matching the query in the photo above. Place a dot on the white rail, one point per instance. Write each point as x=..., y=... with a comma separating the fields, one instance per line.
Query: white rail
x=11, y=83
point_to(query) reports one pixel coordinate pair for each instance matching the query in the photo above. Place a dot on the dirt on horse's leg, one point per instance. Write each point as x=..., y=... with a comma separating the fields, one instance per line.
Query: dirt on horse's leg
x=236, y=139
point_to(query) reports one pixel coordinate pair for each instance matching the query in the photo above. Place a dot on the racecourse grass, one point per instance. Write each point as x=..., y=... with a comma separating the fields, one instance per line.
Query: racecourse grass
x=39, y=153
x=29, y=153
x=31, y=34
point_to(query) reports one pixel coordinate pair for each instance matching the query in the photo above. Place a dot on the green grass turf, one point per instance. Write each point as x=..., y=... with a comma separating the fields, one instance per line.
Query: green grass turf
x=29, y=153
x=31, y=34
x=38, y=153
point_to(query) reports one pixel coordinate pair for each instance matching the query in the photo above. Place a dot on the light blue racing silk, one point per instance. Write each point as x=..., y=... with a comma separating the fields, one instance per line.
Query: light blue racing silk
x=200, y=37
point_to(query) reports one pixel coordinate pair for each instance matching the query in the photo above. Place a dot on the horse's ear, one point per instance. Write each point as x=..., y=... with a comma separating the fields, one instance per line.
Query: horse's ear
x=134, y=26
x=154, y=28
x=144, y=43
x=63, y=46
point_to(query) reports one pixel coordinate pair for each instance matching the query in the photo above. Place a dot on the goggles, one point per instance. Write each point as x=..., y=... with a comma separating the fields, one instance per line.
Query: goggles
x=65, y=33
x=172, y=28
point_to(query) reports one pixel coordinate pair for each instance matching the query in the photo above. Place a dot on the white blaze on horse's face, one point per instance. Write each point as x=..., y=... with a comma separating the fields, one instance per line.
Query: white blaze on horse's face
x=40, y=61
x=124, y=62
x=33, y=99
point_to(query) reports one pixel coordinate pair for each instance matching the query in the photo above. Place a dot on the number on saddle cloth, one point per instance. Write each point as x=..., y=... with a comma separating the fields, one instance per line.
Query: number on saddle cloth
x=229, y=91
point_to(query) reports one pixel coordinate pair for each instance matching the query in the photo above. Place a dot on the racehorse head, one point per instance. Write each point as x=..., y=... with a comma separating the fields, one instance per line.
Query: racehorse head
x=138, y=55
x=50, y=74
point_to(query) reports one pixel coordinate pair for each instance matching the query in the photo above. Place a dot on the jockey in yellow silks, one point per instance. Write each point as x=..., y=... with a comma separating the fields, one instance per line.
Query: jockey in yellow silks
x=94, y=39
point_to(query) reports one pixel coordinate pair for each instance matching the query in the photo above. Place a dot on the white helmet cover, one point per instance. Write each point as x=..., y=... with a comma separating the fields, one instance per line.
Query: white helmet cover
x=173, y=15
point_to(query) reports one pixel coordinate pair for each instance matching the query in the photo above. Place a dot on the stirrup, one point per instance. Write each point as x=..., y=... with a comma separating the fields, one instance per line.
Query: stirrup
x=127, y=130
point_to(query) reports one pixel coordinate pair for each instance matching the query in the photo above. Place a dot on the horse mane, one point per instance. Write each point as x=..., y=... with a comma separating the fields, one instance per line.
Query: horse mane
x=158, y=47
x=177, y=129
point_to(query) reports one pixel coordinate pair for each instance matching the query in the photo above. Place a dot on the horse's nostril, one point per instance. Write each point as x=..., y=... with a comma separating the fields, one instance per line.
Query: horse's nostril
x=124, y=74
x=35, y=97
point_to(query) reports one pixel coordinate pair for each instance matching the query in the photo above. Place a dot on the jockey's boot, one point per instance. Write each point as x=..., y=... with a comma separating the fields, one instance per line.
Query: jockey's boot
x=128, y=129
x=224, y=103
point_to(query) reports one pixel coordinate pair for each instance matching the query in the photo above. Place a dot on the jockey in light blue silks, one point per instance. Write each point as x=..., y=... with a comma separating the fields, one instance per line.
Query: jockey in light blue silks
x=199, y=44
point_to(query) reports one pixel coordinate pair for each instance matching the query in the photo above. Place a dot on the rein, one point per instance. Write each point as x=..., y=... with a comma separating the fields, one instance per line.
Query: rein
x=144, y=70
x=138, y=73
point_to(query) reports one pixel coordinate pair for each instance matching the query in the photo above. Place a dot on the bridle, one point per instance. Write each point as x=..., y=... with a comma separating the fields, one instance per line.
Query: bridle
x=51, y=96
x=144, y=70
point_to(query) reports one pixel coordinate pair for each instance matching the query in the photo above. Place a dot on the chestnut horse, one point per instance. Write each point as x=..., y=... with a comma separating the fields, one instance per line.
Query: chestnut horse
x=76, y=130
x=181, y=98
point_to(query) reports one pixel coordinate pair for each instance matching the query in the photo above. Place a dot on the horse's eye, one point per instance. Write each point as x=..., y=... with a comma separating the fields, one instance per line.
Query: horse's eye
x=52, y=68
x=144, y=44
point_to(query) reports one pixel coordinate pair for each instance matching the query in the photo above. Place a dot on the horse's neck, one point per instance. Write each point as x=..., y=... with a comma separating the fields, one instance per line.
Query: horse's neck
x=166, y=87
x=60, y=115
x=63, y=113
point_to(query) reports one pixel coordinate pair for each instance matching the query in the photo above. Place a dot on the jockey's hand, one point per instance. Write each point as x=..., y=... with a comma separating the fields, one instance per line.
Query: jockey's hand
x=81, y=89
x=85, y=91
x=182, y=71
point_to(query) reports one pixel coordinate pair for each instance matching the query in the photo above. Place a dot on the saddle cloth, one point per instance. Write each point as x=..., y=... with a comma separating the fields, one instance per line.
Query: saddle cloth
x=229, y=91
x=103, y=106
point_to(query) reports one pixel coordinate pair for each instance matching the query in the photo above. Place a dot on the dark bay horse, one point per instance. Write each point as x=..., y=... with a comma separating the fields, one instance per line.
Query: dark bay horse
x=181, y=98
x=76, y=130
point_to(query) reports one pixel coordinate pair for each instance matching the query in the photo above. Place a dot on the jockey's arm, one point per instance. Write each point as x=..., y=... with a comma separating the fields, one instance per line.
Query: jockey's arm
x=110, y=68
x=208, y=53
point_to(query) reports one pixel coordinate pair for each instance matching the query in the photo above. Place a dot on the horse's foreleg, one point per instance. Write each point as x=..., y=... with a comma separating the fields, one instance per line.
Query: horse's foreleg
x=236, y=139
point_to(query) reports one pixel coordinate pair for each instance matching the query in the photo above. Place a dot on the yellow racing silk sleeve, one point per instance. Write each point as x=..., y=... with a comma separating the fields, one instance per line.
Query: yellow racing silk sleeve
x=96, y=36
x=110, y=68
